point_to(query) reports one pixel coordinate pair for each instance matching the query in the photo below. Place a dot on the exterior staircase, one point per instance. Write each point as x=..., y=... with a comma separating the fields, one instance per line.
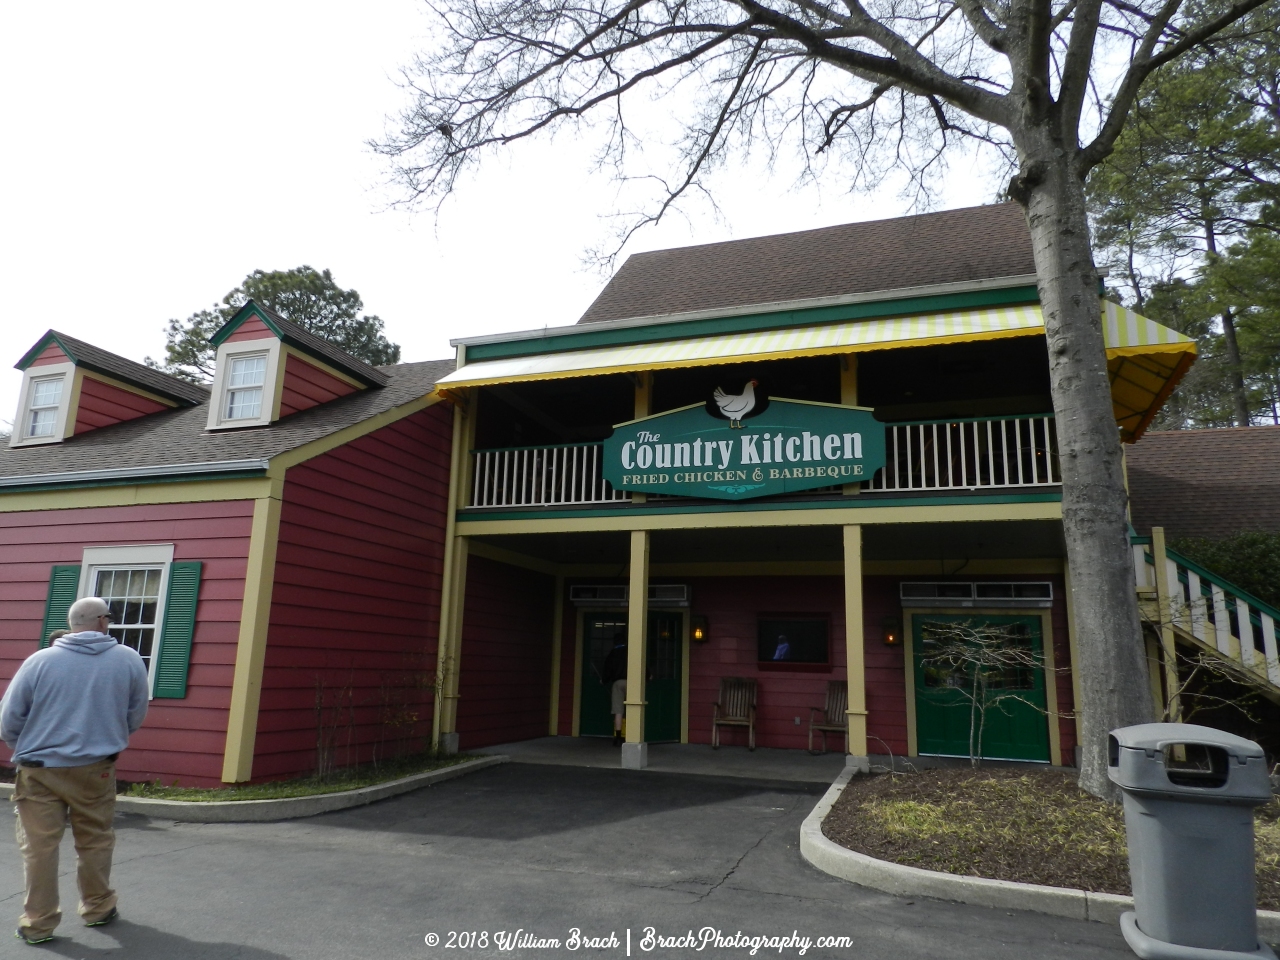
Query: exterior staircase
x=1190, y=609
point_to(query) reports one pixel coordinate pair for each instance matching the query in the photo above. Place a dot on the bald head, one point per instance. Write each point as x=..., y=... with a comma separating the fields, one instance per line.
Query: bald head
x=85, y=614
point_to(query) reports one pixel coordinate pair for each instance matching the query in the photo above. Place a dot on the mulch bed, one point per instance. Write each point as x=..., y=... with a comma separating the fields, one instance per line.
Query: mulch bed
x=1032, y=826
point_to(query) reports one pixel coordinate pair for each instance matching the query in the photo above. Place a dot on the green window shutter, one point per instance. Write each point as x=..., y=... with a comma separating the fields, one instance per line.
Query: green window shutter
x=179, y=627
x=63, y=585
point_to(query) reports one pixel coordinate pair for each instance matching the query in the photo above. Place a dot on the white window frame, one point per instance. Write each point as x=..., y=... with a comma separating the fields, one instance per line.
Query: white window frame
x=268, y=346
x=66, y=372
x=145, y=555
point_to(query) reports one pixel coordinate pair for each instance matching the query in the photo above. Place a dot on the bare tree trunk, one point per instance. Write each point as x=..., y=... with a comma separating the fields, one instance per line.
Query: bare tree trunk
x=1113, y=682
x=1239, y=396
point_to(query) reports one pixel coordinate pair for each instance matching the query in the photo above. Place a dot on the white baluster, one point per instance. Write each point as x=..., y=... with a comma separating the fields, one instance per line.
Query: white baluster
x=1221, y=623
x=1269, y=642
x=1199, y=608
x=1246, y=633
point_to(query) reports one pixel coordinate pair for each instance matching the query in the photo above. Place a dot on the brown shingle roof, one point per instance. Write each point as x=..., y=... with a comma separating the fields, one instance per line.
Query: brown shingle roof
x=179, y=436
x=104, y=361
x=975, y=243
x=1206, y=483
x=322, y=349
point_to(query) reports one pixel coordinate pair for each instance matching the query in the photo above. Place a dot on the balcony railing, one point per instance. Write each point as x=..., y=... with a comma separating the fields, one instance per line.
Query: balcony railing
x=1221, y=616
x=541, y=476
x=943, y=455
x=970, y=454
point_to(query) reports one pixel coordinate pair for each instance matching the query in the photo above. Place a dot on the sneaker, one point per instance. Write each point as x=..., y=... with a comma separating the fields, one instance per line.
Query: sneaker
x=104, y=921
x=32, y=938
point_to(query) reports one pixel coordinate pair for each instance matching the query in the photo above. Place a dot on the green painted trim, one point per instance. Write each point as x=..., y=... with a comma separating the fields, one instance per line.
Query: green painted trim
x=250, y=309
x=134, y=481
x=545, y=446
x=29, y=357
x=656, y=508
x=64, y=581
x=721, y=326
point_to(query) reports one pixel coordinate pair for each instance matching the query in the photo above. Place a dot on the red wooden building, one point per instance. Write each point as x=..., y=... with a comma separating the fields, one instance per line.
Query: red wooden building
x=451, y=549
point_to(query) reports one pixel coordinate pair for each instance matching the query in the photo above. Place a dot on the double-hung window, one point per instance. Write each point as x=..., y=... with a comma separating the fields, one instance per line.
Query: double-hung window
x=133, y=596
x=245, y=384
x=42, y=410
x=245, y=381
x=152, y=599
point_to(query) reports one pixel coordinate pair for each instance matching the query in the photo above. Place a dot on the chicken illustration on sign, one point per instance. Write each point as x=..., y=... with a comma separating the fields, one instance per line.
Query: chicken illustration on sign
x=786, y=446
x=736, y=407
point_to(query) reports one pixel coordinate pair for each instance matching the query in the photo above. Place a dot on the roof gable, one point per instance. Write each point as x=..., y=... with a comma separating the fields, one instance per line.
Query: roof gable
x=127, y=371
x=951, y=246
x=300, y=339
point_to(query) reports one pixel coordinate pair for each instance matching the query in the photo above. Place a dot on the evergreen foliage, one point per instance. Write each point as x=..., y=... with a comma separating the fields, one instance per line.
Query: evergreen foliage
x=1250, y=560
x=304, y=296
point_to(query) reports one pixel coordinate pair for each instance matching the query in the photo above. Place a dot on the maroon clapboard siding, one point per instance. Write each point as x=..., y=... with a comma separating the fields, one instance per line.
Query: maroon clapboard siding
x=356, y=604
x=251, y=329
x=733, y=605
x=306, y=386
x=505, y=668
x=102, y=404
x=50, y=354
x=181, y=739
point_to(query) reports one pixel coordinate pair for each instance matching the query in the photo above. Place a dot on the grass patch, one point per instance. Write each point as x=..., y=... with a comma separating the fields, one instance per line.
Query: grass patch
x=351, y=778
x=1027, y=826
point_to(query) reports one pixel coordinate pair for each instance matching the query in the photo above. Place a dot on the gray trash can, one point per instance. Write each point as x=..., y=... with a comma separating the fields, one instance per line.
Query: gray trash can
x=1189, y=794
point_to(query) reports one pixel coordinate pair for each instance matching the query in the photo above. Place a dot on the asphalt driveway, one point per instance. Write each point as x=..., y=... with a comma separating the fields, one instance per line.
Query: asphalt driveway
x=540, y=849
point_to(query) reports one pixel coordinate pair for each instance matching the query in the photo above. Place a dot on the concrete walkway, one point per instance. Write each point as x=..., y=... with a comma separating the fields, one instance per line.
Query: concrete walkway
x=763, y=763
x=539, y=848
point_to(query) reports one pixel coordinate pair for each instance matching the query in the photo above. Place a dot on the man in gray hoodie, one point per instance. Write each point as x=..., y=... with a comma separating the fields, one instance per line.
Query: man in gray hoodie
x=68, y=712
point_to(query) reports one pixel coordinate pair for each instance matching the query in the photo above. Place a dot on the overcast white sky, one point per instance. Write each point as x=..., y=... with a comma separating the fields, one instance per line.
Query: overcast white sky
x=157, y=152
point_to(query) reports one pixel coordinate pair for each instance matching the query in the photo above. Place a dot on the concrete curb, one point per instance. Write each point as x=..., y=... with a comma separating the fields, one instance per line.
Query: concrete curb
x=290, y=808
x=903, y=881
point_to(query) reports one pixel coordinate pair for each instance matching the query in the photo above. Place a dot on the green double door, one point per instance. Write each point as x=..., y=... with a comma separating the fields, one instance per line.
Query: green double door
x=1001, y=672
x=601, y=634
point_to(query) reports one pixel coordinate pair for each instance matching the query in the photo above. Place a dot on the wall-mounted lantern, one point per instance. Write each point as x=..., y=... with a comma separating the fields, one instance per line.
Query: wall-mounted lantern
x=891, y=629
x=699, y=630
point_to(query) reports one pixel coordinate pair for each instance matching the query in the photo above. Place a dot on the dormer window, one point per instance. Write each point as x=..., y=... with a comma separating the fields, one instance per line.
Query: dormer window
x=244, y=387
x=42, y=412
x=246, y=384
x=44, y=405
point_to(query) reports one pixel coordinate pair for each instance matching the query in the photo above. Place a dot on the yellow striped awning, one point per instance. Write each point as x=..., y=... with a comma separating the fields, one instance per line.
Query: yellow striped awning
x=1144, y=357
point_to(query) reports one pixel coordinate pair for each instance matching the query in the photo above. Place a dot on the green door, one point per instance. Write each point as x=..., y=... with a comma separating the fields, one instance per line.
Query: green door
x=981, y=674
x=601, y=633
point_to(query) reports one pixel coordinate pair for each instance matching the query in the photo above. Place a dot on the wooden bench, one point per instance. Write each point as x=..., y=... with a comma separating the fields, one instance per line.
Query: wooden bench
x=835, y=717
x=735, y=708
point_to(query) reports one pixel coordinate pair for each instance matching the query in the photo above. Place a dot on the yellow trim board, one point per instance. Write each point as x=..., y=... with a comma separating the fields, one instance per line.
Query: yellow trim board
x=322, y=366
x=823, y=517
x=283, y=461
x=251, y=648
x=194, y=491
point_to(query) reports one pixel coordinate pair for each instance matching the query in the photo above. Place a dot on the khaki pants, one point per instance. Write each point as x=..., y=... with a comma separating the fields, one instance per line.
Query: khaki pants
x=46, y=798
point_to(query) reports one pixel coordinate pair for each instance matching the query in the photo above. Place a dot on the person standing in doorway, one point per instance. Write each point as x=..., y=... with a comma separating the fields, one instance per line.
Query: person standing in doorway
x=615, y=679
x=67, y=714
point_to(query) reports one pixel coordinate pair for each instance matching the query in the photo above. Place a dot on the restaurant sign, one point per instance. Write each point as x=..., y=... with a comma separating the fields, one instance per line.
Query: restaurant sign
x=780, y=447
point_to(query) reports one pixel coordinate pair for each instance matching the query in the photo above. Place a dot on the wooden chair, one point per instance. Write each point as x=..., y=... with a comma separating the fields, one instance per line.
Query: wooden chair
x=735, y=708
x=835, y=717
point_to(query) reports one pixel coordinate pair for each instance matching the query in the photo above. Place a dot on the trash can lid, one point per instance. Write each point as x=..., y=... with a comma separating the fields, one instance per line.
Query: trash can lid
x=1156, y=736
x=1216, y=767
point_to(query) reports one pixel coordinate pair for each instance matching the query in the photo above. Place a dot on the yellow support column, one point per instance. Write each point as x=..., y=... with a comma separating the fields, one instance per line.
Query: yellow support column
x=1171, y=707
x=635, y=752
x=251, y=648
x=557, y=630
x=444, y=652
x=853, y=639
x=458, y=594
